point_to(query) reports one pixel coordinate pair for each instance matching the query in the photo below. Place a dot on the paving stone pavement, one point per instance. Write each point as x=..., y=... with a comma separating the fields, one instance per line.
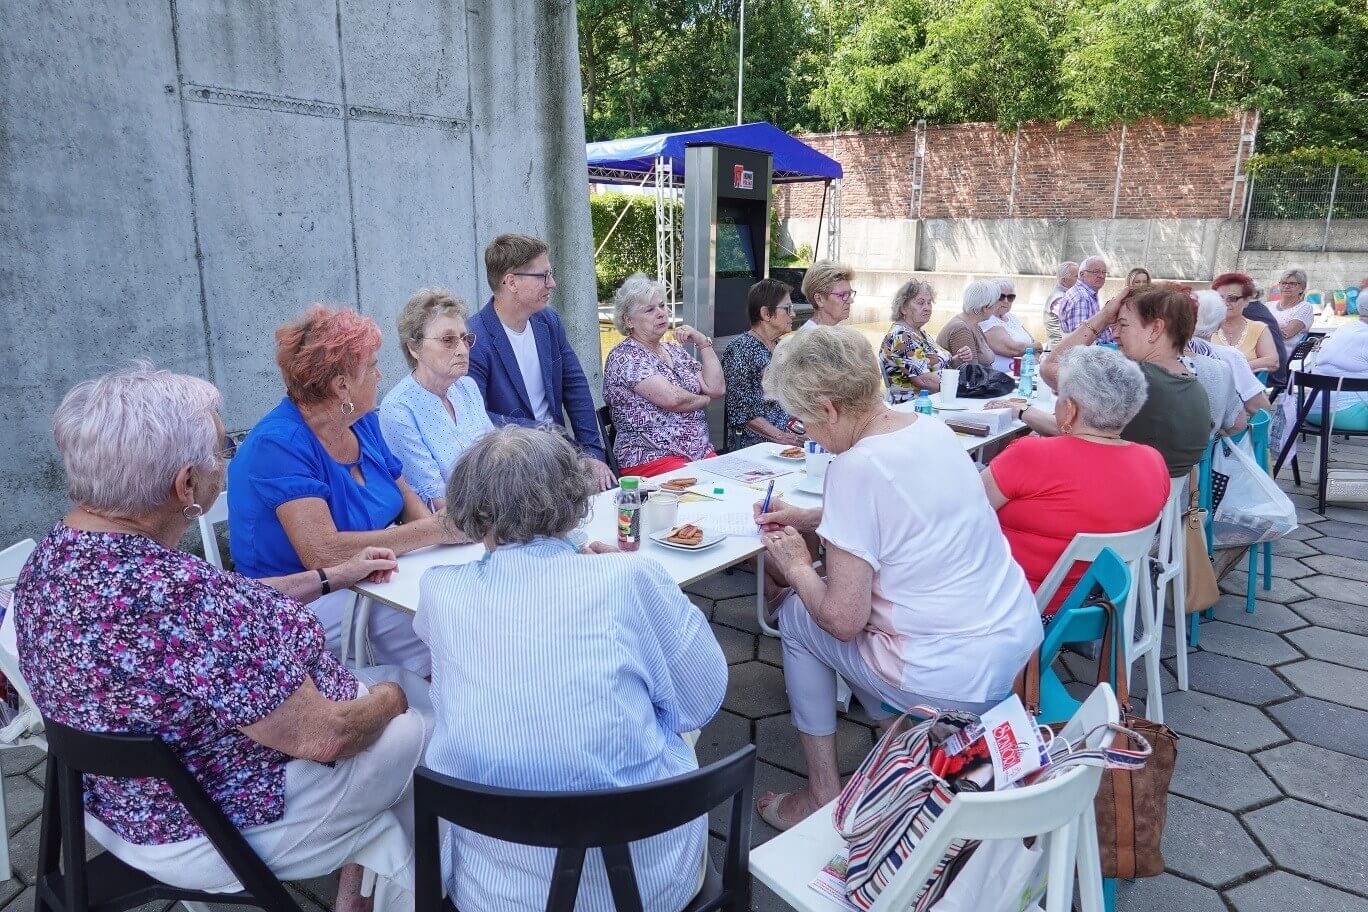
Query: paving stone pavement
x=1269, y=803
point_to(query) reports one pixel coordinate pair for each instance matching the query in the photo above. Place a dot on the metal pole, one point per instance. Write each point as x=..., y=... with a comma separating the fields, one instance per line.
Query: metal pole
x=1011, y=191
x=1330, y=209
x=817, y=244
x=1120, y=160
x=741, y=63
x=1248, y=210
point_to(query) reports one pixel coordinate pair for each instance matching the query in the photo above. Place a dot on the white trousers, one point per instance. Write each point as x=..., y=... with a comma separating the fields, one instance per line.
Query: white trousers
x=392, y=640
x=357, y=810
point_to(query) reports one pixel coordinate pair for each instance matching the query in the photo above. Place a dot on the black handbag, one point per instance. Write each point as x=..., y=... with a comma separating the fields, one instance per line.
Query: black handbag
x=979, y=382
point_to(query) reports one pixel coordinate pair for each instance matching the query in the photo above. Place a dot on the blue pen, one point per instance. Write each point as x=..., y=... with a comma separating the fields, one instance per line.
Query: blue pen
x=764, y=507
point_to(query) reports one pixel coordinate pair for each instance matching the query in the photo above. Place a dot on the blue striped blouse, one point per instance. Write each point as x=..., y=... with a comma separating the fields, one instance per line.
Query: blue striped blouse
x=421, y=433
x=558, y=671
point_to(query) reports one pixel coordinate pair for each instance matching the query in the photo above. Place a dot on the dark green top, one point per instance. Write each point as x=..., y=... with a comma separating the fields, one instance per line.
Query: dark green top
x=1175, y=419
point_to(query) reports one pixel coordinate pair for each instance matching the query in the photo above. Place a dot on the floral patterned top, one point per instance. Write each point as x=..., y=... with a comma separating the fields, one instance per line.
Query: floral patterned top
x=646, y=432
x=743, y=367
x=907, y=353
x=118, y=633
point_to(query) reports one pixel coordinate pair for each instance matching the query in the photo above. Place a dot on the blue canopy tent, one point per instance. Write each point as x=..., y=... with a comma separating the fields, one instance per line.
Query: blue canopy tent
x=660, y=159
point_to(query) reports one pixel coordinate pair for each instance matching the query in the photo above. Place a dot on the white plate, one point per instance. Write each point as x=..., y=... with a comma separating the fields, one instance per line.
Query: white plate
x=951, y=408
x=810, y=485
x=709, y=539
x=778, y=453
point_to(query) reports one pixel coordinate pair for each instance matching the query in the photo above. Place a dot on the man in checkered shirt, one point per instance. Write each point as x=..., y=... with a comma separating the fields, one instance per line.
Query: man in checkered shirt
x=1080, y=302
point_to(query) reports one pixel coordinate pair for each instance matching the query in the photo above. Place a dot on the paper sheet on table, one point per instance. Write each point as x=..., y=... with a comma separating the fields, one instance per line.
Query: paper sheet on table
x=738, y=468
x=719, y=517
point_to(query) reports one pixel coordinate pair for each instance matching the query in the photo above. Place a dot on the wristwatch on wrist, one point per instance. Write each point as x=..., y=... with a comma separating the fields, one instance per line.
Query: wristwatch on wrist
x=326, y=585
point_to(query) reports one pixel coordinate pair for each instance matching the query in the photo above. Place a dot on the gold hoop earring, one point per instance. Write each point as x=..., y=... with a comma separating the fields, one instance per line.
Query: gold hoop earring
x=194, y=511
x=348, y=409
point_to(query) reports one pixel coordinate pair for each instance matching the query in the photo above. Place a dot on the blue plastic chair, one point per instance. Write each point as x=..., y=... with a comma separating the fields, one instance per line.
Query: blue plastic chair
x=1258, y=435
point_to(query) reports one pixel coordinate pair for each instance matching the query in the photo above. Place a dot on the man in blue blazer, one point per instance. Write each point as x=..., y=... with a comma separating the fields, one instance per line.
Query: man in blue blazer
x=526, y=370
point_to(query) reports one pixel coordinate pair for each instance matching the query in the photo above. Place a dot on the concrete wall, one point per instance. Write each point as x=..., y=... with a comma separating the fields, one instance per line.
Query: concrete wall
x=178, y=178
x=1187, y=249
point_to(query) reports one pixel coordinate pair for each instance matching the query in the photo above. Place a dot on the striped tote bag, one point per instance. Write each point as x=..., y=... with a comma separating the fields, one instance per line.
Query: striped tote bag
x=891, y=801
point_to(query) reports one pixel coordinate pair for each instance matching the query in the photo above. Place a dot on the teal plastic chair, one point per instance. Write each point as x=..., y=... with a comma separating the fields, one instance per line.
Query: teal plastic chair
x=1258, y=431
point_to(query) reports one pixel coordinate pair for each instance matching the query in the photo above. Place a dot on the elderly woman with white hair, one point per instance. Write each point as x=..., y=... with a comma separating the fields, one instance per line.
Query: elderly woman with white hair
x=963, y=330
x=1248, y=389
x=435, y=413
x=910, y=361
x=655, y=389
x=921, y=602
x=587, y=675
x=1292, y=311
x=1088, y=479
x=1007, y=336
x=826, y=285
x=118, y=631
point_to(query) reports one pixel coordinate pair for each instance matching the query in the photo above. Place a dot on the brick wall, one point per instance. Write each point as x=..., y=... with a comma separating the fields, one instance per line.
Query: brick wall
x=1167, y=171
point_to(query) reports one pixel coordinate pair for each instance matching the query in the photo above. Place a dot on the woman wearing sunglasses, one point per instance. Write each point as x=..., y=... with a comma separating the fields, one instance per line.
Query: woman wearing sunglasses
x=1006, y=335
x=433, y=415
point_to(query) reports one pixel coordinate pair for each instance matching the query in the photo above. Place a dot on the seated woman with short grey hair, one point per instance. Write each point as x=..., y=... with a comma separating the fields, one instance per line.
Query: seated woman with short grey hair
x=963, y=331
x=1046, y=490
x=118, y=631
x=558, y=670
x=921, y=602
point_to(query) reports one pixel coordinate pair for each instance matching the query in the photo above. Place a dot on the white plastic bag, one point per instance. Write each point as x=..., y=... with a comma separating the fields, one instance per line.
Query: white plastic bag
x=1253, y=509
x=1002, y=875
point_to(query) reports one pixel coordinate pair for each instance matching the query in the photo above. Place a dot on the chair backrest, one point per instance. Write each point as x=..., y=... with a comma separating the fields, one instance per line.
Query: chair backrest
x=207, y=522
x=1033, y=810
x=1131, y=547
x=574, y=822
x=1314, y=381
x=72, y=752
x=11, y=562
x=1302, y=349
x=1080, y=622
x=608, y=431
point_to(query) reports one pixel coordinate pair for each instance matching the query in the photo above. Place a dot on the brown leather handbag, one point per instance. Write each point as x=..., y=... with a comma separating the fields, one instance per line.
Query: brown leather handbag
x=1202, y=590
x=1131, y=805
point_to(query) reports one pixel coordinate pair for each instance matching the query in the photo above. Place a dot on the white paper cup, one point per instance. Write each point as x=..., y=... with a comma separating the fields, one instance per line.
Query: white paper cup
x=659, y=512
x=949, y=385
x=816, y=463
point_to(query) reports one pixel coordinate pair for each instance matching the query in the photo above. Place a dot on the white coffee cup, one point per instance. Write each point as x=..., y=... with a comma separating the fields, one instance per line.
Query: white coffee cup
x=949, y=378
x=816, y=460
x=659, y=512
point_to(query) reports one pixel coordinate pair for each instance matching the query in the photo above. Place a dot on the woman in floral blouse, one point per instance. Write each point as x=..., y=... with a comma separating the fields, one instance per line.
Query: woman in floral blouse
x=911, y=362
x=120, y=632
x=657, y=392
x=751, y=418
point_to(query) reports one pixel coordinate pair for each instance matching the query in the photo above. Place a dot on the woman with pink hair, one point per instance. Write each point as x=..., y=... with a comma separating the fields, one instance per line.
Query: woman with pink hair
x=315, y=479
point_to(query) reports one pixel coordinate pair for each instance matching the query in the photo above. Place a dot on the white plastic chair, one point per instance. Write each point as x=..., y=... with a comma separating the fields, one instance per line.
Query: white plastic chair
x=1059, y=809
x=27, y=727
x=207, y=522
x=1134, y=548
x=1171, y=559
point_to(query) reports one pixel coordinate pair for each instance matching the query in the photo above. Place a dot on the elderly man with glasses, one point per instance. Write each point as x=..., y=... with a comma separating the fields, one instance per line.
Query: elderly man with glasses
x=524, y=366
x=1080, y=302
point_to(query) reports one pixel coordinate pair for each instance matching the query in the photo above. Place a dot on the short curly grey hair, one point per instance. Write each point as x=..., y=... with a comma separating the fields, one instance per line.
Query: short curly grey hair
x=516, y=484
x=636, y=290
x=1211, y=312
x=827, y=362
x=1108, y=388
x=981, y=294
x=420, y=310
x=125, y=436
x=904, y=295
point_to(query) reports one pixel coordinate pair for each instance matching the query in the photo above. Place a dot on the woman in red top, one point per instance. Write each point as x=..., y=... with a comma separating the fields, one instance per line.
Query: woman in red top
x=1046, y=490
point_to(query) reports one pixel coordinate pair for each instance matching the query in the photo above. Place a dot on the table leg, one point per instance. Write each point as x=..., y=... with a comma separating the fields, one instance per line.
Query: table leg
x=760, y=618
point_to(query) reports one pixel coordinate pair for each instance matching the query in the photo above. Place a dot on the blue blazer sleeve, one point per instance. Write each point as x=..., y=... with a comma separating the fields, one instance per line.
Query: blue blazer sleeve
x=578, y=400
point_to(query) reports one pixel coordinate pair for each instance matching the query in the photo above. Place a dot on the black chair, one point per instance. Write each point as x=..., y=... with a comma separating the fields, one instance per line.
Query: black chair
x=1297, y=355
x=609, y=434
x=574, y=822
x=1320, y=387
x=104, y=883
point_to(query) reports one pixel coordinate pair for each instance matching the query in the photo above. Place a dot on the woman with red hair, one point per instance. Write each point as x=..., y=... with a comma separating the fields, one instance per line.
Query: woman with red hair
x=1250, y=337
x=315, y=479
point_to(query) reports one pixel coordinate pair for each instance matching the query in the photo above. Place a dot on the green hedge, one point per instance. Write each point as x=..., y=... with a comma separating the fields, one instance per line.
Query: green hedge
x=632, y=247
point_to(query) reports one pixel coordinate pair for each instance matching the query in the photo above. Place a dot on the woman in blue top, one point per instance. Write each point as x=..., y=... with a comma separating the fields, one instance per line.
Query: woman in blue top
x=434, y=414
x=314, y=479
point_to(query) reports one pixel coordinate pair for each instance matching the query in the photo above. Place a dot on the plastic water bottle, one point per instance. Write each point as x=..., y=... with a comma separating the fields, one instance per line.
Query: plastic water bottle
x=923, y=405
x=1026, y=385
x=629, y=513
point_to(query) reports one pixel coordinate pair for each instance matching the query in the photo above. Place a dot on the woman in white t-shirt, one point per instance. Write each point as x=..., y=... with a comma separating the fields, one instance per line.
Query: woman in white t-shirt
x=922, y=602
x=1292, y=311
x=1007, y=336
x=1344, y=353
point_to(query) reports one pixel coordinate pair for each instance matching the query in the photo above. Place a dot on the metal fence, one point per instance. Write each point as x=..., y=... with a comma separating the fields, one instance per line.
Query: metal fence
x=1317, y=208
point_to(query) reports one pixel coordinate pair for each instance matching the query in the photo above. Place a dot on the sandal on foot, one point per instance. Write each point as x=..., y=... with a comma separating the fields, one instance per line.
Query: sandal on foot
x=768, y=806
